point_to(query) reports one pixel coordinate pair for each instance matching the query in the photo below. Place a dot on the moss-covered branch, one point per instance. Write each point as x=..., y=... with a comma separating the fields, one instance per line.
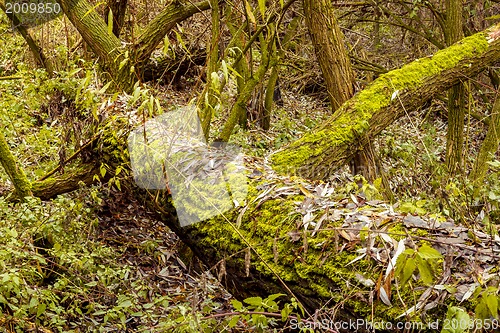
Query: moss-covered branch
x=107, y=46
x=319, y=153
x=175, y=12
x=15, y=173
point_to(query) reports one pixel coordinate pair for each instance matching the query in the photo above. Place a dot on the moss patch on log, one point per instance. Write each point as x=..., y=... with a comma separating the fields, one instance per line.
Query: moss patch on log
x=353, y=119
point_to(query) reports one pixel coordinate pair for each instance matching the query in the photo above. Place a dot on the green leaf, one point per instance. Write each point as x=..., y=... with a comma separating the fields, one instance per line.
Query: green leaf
x=41, y=309
x=408, y=270
x=427, y=252
x=110, y=22
x=262, y=8
x=481, y=310
x=256, y=301
x=125, y=304
x=491, y=301
x=424, y=269
x=232, y=323
x=457, y=321
x=237, y=305
x=102, y=170
x=274, y=296
x=33, y=302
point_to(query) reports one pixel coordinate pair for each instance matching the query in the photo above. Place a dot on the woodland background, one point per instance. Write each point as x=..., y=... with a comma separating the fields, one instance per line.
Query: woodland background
x=382, y=207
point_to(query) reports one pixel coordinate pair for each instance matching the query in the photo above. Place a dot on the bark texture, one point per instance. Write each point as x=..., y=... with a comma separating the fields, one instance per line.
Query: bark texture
x=108, y=48
x=15, y=173
x=456, y=95
x=318, y=154
x=332, y=56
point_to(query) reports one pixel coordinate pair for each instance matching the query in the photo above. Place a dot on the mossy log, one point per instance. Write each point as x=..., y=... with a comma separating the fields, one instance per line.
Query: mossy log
x=319, y=153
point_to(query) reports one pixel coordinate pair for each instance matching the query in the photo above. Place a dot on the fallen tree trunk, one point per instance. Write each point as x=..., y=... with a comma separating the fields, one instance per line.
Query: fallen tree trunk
x=319, y=153
x=291, y=236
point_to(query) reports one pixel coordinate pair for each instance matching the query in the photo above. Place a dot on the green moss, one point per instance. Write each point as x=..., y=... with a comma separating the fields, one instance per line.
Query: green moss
x=353, y=118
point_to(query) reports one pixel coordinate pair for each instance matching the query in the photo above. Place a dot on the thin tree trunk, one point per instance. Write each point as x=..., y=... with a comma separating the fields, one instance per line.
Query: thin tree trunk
x=118, y=10
x=40, y=58
x=337, y=71
x=212, y=67
x=456, y=95
x=332, y=55
x=13, y=170
x=488, y=148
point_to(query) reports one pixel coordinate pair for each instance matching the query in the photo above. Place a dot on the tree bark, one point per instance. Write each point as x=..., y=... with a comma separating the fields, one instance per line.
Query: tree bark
x=488, y=148
x=118, y=9
x=318, y=154
x=337, y=71
x=107, y=46
x=456, y=95
x=125, y=65
x=13, y=170
x=332, y=56
x=175, y=12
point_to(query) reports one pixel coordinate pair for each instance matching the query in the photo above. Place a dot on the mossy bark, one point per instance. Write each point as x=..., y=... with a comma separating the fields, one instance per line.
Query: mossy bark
x=318, y=154
x=71, y=180
x=108, y=47
x=13, y=170
x=124, y=64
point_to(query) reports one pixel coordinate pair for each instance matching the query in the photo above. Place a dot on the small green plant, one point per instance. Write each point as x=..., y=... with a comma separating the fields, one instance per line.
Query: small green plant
x=425, y=259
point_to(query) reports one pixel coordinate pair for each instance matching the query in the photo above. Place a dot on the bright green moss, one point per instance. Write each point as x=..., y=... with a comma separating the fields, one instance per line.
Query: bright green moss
x=353, y=118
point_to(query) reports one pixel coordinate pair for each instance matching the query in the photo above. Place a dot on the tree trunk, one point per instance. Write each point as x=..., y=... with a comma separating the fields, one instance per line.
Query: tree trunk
x=318, y=154
x=15, y=173
x=332, y=56
x=337, y=71
x=118, y=8
x=488, y=148
x=122, y=64
x=174, y=13
x=107, y=46
x=36, y=50
x=456, y=96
